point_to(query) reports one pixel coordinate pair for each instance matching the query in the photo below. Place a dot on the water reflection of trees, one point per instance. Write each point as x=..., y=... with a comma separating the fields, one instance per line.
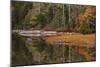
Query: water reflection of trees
x=20, y=53
x=54, y=53
x=40, y=52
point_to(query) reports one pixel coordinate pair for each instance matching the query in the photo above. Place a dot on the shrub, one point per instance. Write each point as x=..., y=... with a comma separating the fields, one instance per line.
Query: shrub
x=84, y=28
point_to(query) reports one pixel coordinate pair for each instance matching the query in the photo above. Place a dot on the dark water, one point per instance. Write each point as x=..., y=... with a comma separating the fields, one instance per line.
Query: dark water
x=41, y=52
x=59, y=53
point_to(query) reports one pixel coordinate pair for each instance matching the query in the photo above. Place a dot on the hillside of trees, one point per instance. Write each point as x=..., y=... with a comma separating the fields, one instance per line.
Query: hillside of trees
x=59, y=17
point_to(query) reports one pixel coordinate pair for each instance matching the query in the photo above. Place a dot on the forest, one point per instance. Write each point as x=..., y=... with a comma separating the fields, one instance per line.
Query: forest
x=70, y=18
x=78, y=20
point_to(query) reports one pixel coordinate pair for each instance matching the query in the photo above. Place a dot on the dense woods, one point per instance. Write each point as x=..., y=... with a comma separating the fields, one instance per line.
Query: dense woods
x=74, y=18
x=70, y=18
